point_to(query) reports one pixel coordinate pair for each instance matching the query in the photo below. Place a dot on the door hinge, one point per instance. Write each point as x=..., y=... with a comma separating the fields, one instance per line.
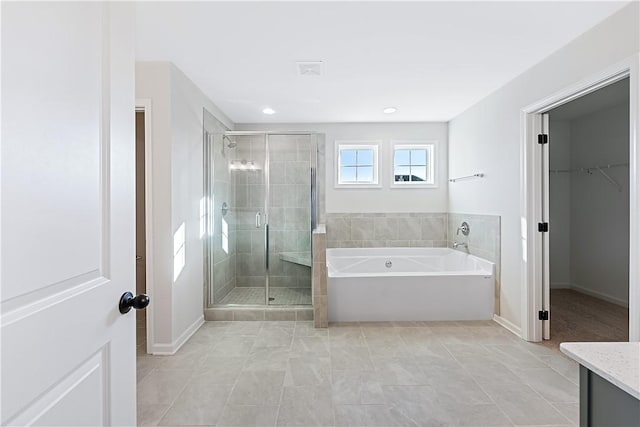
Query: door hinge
x=543, y=138
x=543, y=315
x=543, y=227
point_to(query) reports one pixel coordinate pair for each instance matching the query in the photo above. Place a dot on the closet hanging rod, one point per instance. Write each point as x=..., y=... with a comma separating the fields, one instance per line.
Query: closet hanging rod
x=475, y=175
x=590, y=169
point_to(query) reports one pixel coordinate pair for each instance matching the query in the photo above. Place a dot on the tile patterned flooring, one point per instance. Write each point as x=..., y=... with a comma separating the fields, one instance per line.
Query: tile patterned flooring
x=371, y=374
x=255, y=296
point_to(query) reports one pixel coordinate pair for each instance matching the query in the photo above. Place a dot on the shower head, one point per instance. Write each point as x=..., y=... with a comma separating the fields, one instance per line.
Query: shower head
x=230, y=143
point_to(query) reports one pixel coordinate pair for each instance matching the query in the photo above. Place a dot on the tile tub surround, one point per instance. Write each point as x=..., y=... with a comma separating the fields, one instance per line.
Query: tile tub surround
x=483, y=238
x=379, y=230
x=483, y=241
x=384, y=374
x=319, y=280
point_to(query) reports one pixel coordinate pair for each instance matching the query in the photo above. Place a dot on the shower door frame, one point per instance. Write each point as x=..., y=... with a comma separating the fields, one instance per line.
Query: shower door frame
x=313, y=160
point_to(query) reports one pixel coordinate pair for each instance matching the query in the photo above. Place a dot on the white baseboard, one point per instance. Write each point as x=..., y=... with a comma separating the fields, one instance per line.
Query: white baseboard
x=507, y=325
x=600, y=295
x=170, y=349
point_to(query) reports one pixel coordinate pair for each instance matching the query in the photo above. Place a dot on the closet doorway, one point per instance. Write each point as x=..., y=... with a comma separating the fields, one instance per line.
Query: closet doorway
x=587, y=197
x=144, y=224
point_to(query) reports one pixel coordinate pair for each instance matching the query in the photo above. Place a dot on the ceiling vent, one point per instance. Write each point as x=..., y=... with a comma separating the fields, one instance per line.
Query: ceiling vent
x=309, y=68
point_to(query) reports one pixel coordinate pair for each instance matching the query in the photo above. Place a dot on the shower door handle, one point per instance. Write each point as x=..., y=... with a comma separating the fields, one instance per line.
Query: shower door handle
x=258, y=222
x=266, y=247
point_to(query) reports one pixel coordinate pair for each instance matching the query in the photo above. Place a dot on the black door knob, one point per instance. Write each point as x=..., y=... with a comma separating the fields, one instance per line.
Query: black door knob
x=128, y=300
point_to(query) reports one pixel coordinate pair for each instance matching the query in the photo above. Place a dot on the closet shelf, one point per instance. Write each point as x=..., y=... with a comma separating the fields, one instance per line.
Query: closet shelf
x=592, y=169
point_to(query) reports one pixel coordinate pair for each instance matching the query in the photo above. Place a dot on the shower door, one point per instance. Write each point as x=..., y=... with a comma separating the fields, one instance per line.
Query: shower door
x=290, y=160
x=259, y=189
x=248, y=168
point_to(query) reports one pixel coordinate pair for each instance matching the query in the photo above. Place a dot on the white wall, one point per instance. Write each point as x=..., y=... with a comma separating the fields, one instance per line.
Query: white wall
x=377, y=199
x=599, y=213
x=560, y=204
x=177, y=123
x=486, y=137
x=152, y=82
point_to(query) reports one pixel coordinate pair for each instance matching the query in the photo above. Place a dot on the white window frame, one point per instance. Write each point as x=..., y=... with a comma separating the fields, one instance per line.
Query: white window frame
x=357, y=145
x=432, y=169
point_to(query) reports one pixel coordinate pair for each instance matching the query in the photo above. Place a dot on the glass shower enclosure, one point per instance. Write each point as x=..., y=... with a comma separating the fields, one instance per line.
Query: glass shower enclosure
x=259, y=208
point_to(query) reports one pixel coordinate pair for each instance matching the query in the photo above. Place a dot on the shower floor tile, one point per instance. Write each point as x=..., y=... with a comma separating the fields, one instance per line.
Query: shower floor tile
x=255, y=296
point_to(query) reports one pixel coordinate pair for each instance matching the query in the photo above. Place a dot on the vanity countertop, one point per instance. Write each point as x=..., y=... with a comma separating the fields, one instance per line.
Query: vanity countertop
x=617, y=362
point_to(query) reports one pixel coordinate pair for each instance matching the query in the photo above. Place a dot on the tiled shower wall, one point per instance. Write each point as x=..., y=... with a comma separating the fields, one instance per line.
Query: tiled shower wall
x=249, y=200
x=320, y=309
x=290, y=209
x=224, y=261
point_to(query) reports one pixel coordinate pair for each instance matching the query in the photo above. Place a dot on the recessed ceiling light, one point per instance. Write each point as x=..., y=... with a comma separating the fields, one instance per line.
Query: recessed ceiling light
x=389, y=110
x=309, y=68
x=269, y=111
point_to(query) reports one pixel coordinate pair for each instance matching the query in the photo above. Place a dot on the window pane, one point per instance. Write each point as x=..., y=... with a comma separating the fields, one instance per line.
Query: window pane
x=418, y=157
x=365, y=157
x=365, y=174
x=348, y=157
x=348, y=174
x=401, y=157
x=418, y=173
x=401, y=173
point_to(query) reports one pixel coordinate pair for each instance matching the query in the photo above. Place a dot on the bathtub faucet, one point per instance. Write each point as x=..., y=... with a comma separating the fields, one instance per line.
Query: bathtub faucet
x=464, y=227
x=463, y=244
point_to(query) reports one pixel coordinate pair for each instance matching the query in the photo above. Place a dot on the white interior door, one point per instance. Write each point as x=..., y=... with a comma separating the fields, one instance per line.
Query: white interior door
x=546, y=300
x=68, y=355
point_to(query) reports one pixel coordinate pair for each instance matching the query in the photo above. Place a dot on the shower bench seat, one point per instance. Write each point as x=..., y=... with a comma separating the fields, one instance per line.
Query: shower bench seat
x=301, y=258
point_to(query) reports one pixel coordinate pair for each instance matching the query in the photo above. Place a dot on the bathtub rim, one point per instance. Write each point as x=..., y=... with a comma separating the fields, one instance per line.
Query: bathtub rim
x=333, y=274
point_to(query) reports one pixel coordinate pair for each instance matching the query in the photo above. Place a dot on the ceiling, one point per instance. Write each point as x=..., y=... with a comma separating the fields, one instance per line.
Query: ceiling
x=602, y=99
x=430, y=60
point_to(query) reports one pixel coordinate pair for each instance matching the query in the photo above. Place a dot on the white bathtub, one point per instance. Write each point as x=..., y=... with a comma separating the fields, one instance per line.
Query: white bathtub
x=419, y=284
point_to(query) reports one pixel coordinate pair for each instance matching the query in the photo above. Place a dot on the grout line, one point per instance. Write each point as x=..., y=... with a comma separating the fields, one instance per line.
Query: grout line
x=333, y=406
x=522, y=381
x=479, y=385
x=403, y=413
x=233, y=386
x=166, y=411
x=404, y=340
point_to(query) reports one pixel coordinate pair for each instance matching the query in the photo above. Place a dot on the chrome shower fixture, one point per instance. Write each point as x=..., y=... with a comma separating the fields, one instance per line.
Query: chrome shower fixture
x=228, y=142
x=231, y=143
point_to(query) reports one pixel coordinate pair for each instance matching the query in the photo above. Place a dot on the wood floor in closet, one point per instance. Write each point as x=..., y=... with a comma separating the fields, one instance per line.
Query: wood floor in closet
x=579, y=317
